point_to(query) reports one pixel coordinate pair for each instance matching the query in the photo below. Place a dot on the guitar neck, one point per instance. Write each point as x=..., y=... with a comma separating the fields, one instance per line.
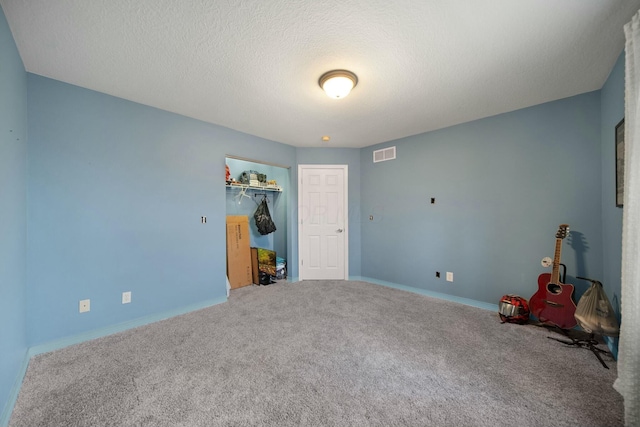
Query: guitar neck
x=555, y=273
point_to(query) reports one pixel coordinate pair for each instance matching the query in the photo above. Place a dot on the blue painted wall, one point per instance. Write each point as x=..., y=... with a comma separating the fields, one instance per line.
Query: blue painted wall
x=116, y=192
x=502, y=186
x=107, y=173
x=612, y=110
x=13, y=228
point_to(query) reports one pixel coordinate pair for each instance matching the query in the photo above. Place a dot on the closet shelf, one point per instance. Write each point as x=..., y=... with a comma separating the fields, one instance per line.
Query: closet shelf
x=252, y=187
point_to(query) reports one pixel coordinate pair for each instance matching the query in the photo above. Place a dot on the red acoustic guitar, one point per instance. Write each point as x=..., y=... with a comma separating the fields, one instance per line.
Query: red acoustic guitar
x=553, y=302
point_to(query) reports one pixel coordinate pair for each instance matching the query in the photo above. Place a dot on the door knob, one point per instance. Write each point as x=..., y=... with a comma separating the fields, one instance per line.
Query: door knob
x=339, y=230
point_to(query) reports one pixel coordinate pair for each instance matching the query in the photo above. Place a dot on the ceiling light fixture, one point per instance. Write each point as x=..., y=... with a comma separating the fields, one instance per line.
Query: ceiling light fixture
x=338, y=83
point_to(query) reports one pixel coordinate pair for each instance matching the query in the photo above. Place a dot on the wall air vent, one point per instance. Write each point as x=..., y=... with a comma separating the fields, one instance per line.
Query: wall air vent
x=384, y=154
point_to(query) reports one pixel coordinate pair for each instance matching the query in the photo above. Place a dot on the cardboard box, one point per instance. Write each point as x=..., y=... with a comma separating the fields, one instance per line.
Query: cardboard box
x=238, y=251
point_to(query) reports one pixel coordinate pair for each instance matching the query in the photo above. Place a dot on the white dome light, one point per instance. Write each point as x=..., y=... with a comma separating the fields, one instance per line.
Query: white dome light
x=338, y=83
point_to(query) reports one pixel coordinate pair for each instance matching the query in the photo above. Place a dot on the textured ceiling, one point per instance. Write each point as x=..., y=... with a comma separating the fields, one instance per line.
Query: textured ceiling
x=253, y=65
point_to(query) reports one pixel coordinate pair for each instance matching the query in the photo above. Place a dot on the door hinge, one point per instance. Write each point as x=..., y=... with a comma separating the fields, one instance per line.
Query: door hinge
x=301, y=262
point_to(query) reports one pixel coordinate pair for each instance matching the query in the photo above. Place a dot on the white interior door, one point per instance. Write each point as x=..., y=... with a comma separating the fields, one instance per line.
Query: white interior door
x=323, y=225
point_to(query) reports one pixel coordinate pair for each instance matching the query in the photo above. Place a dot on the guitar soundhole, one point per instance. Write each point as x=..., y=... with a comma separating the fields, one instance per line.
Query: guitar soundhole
x=554, y=288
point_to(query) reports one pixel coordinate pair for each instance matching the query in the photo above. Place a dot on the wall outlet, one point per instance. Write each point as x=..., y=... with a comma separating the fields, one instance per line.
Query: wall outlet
x=438, y=274
x=449, y=276
x=126, y=297
x=85, y=305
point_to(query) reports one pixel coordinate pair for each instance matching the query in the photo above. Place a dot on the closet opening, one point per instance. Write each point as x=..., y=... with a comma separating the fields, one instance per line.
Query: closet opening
x=250, y=184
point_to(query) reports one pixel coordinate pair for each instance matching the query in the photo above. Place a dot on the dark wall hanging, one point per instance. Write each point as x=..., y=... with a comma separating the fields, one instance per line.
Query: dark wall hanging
x=620, y=163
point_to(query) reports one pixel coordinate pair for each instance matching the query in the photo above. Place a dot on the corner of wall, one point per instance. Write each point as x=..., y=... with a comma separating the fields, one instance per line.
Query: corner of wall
x=7, y=410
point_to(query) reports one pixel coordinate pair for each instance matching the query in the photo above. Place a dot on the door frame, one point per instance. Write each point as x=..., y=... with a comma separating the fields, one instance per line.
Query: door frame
x=345, y=168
